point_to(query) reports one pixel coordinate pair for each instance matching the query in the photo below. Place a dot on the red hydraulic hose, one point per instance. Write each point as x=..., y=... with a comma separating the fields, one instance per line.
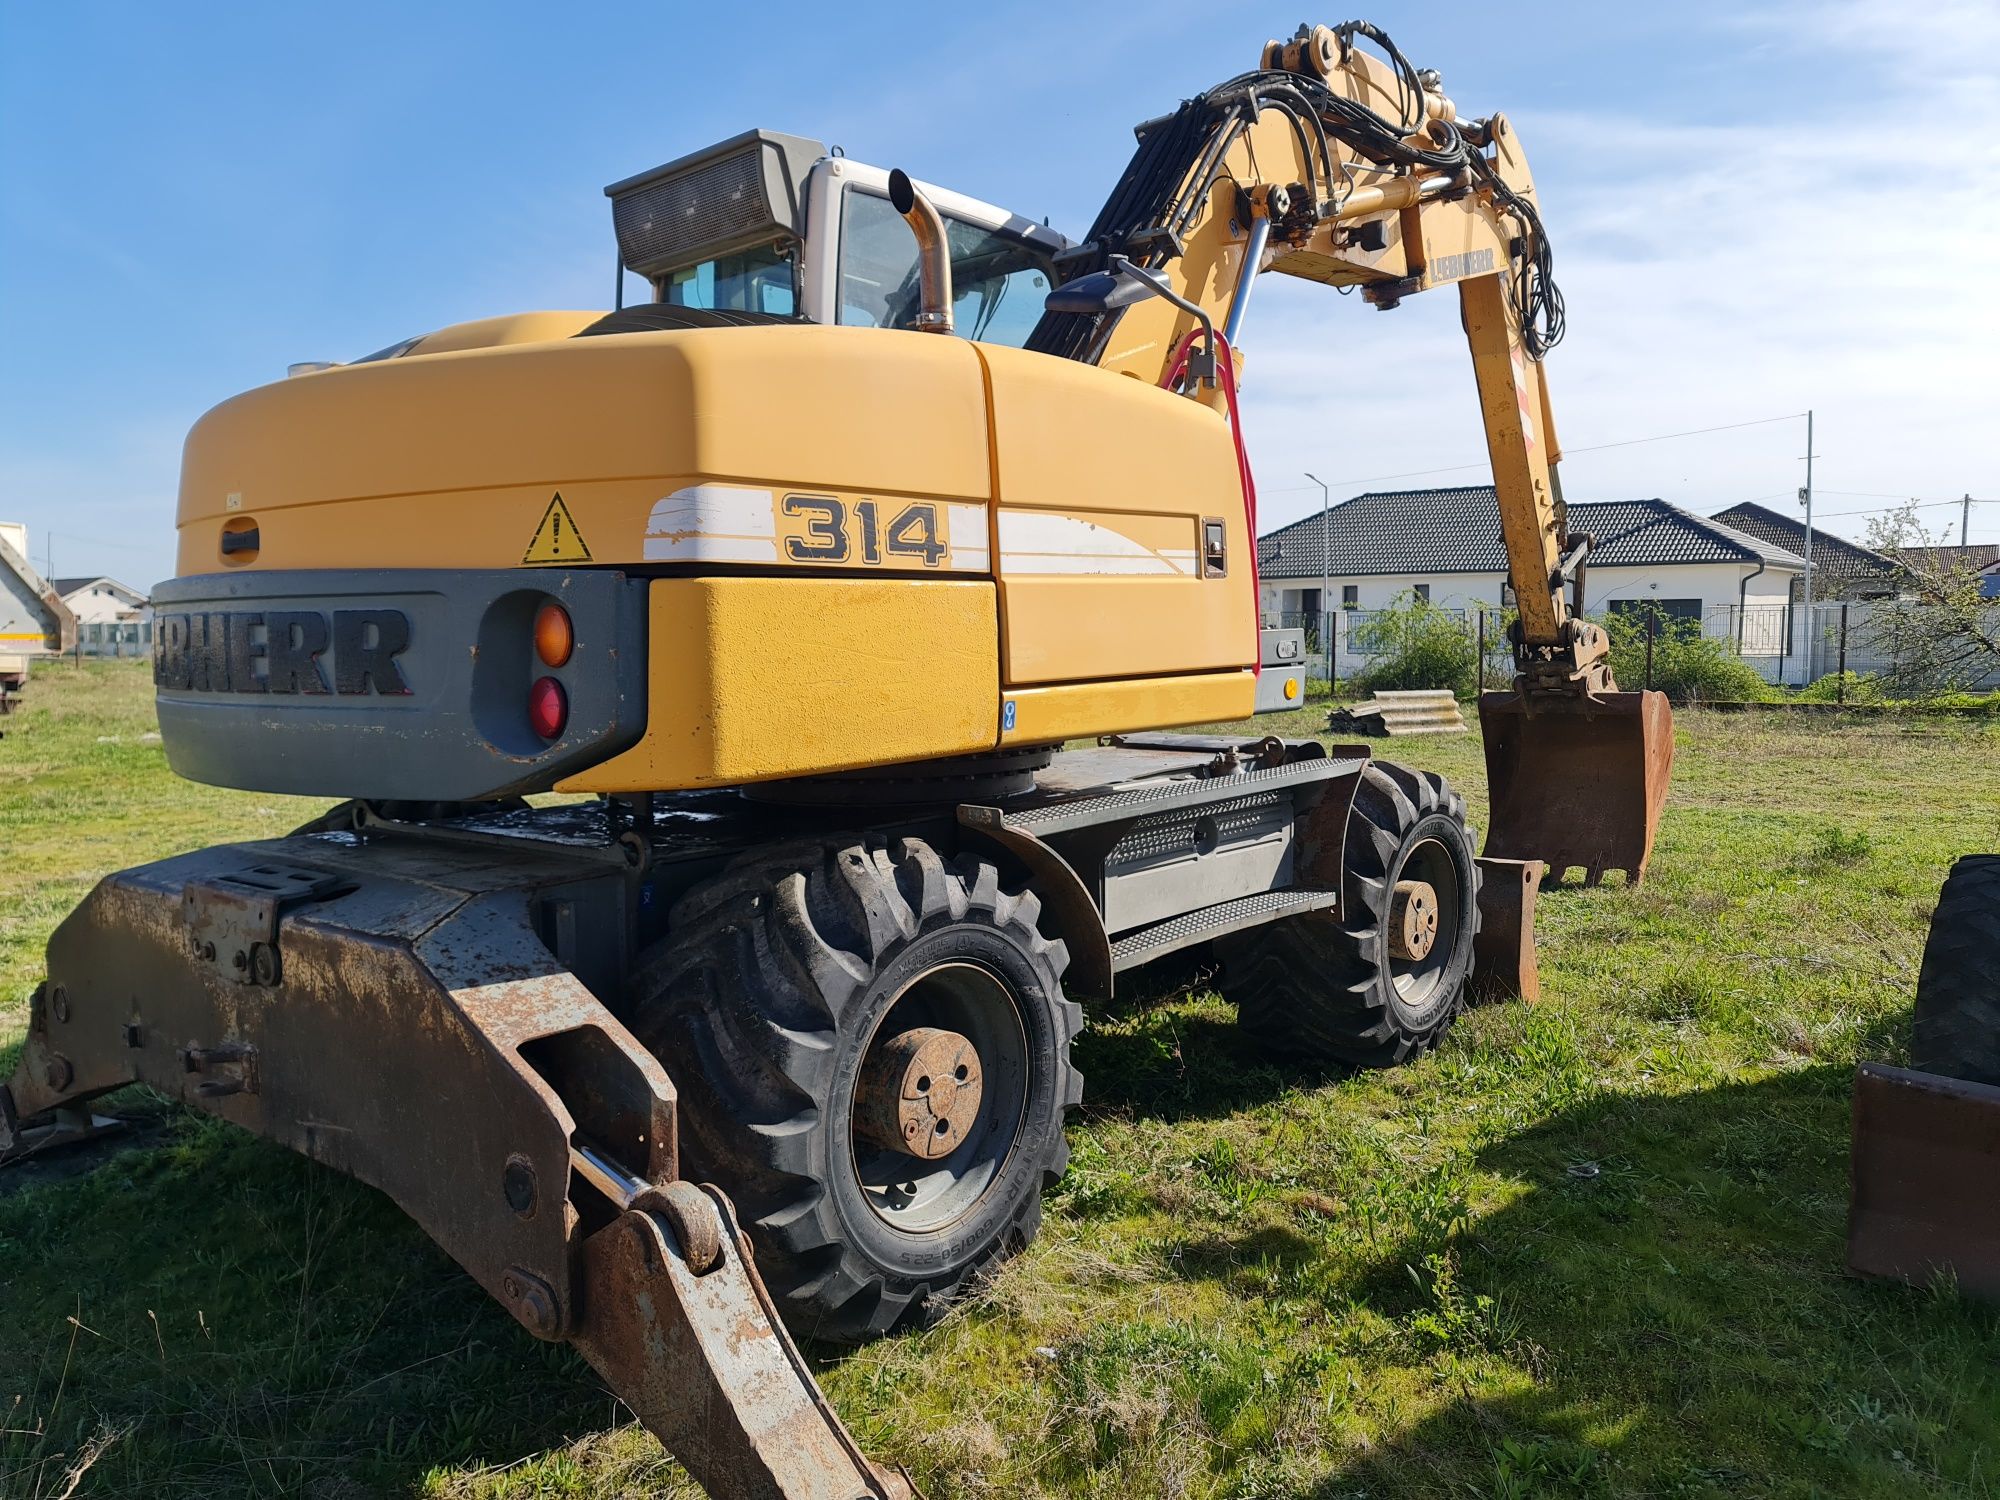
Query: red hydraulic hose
x=1226, y=368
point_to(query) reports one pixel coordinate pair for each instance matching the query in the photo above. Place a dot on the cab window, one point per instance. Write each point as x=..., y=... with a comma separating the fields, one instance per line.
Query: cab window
x=758, y=280
x=998, y=281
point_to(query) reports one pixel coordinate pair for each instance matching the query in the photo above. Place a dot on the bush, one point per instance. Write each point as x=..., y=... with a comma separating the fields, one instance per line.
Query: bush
x=1842, y=687
x=1416, y=645
x=1989, y=702
x=1688, y=666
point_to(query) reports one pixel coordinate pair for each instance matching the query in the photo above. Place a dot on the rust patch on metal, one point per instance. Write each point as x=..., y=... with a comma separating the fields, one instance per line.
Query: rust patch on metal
x=1413, y=919
x=703, y=1361
x=1504, y=963
x=1924, y=1201
x=919, y=1092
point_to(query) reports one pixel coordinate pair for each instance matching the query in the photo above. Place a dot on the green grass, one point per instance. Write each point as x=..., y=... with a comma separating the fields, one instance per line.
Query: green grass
x=1592, y=1248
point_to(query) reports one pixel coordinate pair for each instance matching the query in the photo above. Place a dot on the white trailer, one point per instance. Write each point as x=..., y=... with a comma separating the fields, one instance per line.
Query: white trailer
x=33, y=620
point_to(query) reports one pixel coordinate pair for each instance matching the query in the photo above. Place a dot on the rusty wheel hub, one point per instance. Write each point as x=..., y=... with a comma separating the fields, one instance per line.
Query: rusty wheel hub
x=1413, y=920
x=919, y=1092
x=938, y=1096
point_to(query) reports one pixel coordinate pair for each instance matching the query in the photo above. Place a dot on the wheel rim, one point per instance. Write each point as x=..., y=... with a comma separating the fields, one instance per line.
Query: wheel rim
x=1419, y=981
x=949, y=1003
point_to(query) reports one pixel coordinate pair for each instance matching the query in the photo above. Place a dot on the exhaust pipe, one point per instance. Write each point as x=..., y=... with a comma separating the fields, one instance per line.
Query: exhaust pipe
x=933, y=253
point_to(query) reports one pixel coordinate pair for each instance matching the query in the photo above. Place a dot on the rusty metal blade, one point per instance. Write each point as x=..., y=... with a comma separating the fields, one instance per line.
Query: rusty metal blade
x=701, y=1358
x=1925, y=1197
x=1577, y=781
x=1503, y=953
x=411, y=1029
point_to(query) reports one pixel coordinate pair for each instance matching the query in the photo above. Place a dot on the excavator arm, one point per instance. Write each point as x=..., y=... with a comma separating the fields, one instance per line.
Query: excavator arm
x=1352, y=168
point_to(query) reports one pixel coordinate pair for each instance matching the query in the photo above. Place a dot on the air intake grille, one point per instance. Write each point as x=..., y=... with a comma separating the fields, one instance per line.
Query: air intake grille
x=718, y=204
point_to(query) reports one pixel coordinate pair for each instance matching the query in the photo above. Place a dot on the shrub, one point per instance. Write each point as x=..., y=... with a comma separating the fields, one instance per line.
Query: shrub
x=1842, y=687
x=1990, y=702
x=1415, y=644
x=1688, y=666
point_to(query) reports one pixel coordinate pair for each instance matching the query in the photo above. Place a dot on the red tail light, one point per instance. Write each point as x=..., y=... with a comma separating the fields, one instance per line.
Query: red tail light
x=555, y=638
x=548, y=708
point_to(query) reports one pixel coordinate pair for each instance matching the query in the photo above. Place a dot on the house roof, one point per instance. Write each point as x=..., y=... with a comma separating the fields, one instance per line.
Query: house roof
x=1458, y=531
x=1978, y=557
x=67, y=586
x=1834, y=557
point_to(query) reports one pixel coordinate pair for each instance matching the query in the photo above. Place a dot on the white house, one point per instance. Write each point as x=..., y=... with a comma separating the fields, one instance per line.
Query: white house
x=112, y=618
x=1444, y=545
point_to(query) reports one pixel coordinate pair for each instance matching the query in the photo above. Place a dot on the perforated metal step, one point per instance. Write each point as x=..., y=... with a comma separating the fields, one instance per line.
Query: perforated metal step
x=1157, y=797
x=1149, y=943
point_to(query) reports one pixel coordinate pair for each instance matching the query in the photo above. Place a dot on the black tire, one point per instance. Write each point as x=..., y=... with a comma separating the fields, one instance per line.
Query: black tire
x=1328, y=988
x=1957, y=1031
x=762, y=1002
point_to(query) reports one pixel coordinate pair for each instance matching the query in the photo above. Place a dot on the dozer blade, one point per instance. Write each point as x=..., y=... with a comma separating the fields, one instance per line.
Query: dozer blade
x=1925, y=1195
x=391, y=1011
x=1576, y=781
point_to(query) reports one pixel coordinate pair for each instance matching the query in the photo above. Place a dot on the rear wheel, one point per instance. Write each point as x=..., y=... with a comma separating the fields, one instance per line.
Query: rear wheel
x=1957, y=1030
x=872, y=1049
x=1383, y=979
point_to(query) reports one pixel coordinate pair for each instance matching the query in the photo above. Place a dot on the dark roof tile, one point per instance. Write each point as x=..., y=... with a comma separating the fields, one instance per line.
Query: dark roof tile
x=1458, y=531
x=1834, y=556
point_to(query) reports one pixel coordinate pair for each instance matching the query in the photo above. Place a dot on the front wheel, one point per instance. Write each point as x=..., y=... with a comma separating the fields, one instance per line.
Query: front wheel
x=1381, y=980
x=872, y=1050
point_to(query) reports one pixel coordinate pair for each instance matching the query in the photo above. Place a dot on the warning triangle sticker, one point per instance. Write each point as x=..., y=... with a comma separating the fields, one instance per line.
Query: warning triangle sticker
x=557, y=540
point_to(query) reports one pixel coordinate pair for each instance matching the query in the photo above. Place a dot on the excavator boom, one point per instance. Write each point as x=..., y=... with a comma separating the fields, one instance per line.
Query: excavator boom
x=1352, y=169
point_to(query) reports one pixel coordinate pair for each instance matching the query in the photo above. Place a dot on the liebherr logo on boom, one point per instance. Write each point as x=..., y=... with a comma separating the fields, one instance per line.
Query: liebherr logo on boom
x=281, y=651
x=1458, y=267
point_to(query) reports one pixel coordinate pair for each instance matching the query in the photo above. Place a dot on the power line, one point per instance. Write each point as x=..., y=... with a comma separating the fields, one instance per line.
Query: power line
x=1915, y=504
x=1658, y=437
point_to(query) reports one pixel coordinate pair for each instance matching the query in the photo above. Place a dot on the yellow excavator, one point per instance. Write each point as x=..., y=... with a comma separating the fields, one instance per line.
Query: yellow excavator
x=805, y=570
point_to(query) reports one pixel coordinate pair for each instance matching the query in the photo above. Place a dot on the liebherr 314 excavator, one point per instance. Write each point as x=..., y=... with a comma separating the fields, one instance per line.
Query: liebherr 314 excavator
x=809, y=608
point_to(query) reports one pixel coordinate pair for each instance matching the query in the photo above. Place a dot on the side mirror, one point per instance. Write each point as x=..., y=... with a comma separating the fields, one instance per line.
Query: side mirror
x=1098, y=292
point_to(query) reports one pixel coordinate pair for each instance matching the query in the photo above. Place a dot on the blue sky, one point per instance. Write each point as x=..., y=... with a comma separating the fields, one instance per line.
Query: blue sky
x=1754, y=210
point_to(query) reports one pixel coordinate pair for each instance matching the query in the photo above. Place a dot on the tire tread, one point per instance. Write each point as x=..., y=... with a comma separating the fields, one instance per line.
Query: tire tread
x=742, y=1002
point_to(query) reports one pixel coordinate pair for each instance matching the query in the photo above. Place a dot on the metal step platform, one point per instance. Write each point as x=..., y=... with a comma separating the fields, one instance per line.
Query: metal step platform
x=1148, y=943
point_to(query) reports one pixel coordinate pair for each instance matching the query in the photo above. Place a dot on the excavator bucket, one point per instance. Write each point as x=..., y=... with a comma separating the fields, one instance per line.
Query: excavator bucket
x=1576, y=781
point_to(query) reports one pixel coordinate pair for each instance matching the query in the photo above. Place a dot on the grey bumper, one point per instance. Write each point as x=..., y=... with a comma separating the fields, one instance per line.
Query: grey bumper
x=392, y=683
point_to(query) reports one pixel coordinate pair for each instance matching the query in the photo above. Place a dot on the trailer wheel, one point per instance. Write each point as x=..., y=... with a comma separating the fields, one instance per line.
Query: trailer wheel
x=871, y=1045
x=1382, y=981
x=1957, y=1030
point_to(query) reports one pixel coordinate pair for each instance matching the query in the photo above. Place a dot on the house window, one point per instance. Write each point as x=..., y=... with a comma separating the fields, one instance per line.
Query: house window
x=1670, y=610
x=1350, y=596
x=1422, y=591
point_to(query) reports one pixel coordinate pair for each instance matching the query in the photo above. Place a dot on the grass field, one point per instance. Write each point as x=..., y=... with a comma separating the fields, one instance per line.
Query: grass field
x=1592, y=1248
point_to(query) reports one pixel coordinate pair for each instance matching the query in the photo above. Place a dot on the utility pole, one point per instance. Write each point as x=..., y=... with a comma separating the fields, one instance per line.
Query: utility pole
x=1325, y=571
x=1806, y=497
x=1964, y=517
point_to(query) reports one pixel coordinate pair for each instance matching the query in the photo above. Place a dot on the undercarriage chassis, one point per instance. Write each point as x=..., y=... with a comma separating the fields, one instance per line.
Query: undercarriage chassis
x=434, y=1008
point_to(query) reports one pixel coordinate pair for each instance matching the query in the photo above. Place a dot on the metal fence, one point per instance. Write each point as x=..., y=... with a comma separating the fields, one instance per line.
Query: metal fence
x=114, y=638
x=1348, y=630
x=1861, y=636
